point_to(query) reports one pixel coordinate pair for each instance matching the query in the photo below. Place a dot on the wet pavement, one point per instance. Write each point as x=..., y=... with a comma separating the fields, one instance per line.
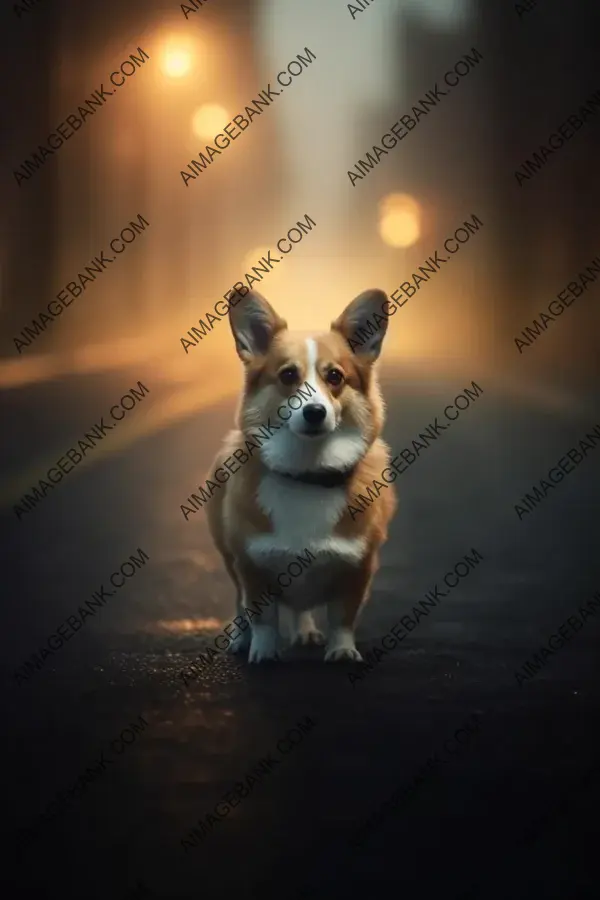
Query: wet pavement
x=511, y=814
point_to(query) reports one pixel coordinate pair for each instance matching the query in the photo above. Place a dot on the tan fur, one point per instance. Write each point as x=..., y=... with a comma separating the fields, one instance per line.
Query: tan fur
x=234, y=514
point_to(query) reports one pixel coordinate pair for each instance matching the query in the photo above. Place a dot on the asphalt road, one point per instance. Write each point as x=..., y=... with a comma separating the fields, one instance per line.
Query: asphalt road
x=510, y=814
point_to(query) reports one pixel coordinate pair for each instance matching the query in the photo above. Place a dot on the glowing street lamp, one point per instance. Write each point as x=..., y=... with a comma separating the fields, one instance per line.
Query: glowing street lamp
x=176, y=60
x=399, y=220
x=208, y=120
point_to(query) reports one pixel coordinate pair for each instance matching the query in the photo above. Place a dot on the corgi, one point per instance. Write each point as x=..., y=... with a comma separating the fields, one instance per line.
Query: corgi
x=294, y=493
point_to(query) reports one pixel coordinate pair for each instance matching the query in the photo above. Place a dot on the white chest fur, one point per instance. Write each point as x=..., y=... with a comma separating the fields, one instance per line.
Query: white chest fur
x=304, y=516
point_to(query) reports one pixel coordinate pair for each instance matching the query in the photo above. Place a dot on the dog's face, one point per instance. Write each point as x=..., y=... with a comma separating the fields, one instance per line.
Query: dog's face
x=320, y=396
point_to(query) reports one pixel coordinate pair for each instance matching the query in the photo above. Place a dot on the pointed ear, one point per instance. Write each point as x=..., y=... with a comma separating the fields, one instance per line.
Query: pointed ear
x=359, y=327
x=254, y=324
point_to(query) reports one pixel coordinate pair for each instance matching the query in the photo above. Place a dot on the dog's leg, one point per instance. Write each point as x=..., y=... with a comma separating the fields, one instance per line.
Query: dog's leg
x=241, y=642
x=342, y=613
x=304, y=630
x=266, y=641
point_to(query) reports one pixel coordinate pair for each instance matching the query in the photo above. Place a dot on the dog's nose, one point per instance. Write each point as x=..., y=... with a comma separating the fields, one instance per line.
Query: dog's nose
x=314, y=413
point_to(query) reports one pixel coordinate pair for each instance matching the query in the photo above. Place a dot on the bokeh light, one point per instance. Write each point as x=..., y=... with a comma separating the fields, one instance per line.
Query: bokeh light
x=187, y=626
x=209, y=120
x=399, y=220
x=176, y=59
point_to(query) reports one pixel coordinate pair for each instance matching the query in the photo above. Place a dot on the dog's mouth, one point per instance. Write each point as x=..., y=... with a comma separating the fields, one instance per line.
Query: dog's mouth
x=314, y=431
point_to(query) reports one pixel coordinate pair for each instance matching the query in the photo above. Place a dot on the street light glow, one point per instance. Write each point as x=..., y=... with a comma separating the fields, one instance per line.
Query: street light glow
x=208, y=120
x=399, y=220
x=176, y=61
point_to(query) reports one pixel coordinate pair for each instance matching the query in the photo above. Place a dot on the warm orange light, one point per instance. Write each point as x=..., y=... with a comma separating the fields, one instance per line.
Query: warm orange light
x=209, y=120
x=253, y=258
x=176, y=61
x=399, y=220
x=183, y=626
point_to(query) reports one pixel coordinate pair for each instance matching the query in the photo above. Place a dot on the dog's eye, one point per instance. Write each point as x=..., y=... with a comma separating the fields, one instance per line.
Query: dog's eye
x=289, y=375
x=334, y=377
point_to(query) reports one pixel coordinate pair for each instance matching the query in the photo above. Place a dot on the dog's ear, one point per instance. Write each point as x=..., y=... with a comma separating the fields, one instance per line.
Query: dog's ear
x=254, y=324
x=363, y=324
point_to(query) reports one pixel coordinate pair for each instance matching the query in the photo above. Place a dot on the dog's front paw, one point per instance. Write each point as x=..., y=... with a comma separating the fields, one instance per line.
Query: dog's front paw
x=265, y=645
x=240, y=643
x=342, y=654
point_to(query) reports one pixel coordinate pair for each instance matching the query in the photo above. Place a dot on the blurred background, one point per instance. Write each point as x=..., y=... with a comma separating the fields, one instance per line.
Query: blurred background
x=294, y=160
x=538, y=68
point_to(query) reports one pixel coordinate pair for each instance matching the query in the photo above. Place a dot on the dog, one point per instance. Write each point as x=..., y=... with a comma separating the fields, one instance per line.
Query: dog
x=294, y=493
